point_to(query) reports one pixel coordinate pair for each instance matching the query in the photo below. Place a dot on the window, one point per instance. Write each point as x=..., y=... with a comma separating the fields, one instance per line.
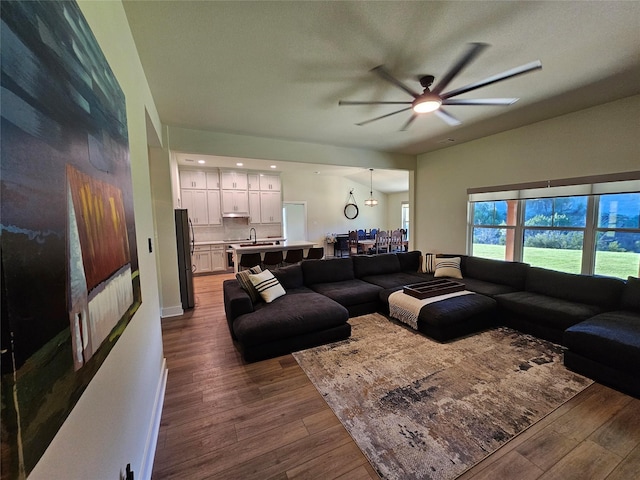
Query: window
x=405, y=218
x=589, y=229
x=617, y=243
x=554, y=232
x=494, y=229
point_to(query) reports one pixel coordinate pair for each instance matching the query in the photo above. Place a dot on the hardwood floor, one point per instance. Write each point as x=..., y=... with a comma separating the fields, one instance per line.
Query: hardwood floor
x=224, y=419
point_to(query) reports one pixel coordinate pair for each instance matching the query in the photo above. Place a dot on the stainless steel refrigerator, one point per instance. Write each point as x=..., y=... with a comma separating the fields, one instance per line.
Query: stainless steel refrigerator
x=185, y=241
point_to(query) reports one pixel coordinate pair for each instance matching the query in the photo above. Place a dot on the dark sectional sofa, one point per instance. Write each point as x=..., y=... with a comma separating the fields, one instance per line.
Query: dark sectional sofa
x=596, y=318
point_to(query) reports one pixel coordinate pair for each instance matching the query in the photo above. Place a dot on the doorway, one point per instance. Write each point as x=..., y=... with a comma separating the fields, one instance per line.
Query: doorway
x=294, y=221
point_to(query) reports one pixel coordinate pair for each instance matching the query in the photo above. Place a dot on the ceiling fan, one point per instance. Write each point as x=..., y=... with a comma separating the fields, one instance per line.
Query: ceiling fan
x=432, y=100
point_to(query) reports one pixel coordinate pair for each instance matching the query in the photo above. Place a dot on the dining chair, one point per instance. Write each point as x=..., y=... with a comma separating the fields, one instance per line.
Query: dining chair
x=354, y=246
x=396, y=241
x=293, y=256
x=315, y=253
x=382, y=241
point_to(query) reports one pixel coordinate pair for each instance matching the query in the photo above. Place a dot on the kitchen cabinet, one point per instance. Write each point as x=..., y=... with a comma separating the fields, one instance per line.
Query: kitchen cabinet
x=201, y=259
x=269, y=182
x=193, y=179
x=254, y=181
x=195, y=201
x=213, y=207
x=232, y=180
x=254, y=207
x=218, y=259
x=270, y=207
x=235, y=201
x=213, y=180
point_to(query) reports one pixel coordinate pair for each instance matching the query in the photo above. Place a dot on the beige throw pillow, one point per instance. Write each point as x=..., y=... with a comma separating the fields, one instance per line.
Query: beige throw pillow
x=267, y=286
x=448, y=267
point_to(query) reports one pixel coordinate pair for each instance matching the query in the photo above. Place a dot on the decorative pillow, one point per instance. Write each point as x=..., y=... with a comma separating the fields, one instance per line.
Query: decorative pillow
x=448, y=267
x=267, y=286
x=430, y=263
x=245, y=283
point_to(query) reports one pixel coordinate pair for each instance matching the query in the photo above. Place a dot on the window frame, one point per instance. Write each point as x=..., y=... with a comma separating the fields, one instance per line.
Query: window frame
x=590, y=230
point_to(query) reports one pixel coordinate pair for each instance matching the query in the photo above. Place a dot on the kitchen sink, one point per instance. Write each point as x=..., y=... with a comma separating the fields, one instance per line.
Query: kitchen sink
x=258, y=244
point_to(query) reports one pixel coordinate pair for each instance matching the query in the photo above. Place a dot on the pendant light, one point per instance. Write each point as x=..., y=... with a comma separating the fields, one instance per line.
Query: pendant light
x=371, y=202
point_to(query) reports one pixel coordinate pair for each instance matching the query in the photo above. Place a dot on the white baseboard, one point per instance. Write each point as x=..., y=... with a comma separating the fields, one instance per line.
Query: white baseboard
x=172, y=311
x=154, y=428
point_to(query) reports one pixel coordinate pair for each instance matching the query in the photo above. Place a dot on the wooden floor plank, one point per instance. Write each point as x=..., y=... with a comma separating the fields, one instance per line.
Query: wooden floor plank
x=225, y=419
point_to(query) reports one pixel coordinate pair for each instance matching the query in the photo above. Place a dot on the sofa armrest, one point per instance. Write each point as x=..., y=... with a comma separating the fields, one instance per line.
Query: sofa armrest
x=236, y=302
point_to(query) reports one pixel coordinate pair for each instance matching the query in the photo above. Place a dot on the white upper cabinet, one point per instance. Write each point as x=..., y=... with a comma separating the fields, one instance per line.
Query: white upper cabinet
x=195, y=201
x=193, y=179
x=270, y=207
x=235, y=201
x=269, y=182
x=254, y=181
x=213, y=206
x=232, y=180
x=213, y=180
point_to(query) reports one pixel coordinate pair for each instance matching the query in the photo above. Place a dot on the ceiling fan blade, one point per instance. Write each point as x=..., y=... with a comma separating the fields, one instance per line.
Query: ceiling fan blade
x=385, y=75
x=529, y=67
x=447, y=117
x=409, y=122
x=350, y=102
x=480, y=101
x=472, y=52
x=382, y=116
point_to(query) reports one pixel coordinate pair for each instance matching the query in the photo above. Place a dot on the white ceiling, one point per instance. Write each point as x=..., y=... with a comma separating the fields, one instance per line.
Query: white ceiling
x=278, y=69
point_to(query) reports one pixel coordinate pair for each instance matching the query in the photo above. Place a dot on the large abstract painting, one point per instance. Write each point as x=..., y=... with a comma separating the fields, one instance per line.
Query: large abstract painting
x=70, y=280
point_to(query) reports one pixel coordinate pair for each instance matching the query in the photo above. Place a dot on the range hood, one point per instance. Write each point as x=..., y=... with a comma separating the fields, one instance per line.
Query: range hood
x=235, y=215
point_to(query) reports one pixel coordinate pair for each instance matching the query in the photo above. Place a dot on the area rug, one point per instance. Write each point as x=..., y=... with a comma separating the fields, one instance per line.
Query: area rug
x=419, y=409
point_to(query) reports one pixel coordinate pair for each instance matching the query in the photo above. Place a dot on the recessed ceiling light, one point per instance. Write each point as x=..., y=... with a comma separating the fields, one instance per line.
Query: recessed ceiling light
x=239, y=164
x=201, y=161
x=273, y=166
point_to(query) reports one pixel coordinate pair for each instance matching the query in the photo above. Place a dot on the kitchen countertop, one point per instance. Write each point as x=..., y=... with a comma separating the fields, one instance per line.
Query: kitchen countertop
x=238, y=250
x=237, y=242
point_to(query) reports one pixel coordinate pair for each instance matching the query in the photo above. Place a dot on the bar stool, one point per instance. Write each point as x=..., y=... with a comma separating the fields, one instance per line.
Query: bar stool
x=272, y=259
x=248, y=260
x=315, y=253
x=293, y=256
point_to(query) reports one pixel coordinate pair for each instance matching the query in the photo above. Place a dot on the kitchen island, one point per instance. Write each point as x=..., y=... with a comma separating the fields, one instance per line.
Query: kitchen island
x=262, y=247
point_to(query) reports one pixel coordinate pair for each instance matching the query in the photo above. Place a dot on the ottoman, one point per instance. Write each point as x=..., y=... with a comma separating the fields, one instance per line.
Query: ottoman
x=452, y=316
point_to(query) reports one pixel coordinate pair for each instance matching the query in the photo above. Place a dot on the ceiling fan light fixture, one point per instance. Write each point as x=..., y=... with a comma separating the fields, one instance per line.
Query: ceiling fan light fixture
x=371, y=202
x=426, y=103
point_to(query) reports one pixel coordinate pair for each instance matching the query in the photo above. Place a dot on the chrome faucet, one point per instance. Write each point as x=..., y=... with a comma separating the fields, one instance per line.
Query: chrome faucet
x=255, y=236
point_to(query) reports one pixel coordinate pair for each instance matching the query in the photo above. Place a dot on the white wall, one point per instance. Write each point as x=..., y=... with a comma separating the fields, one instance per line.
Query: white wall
x=111, y=423
x=326, y=197
x=598, y=140
x=394, y=209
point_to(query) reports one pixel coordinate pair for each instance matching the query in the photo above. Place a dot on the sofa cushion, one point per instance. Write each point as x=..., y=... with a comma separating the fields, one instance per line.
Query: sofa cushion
x=611, y=338
x=267, y=286
x=290, y=277
x=513, y=274
x=543, y=309
x=631, y=295
x=410, y=261
x=245, y=282
x=364, y=265
x=604, y=292
x=398, y=279
x=349, y=292
x=323, y=271
x=486, y=288
x=448, y=267
x=289, y=316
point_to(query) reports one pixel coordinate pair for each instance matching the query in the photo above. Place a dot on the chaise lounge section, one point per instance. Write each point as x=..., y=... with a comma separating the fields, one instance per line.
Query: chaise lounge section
x=606, y=347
